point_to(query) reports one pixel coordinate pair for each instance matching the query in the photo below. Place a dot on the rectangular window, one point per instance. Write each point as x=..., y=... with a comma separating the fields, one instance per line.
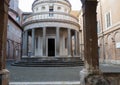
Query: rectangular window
x=51, y=9
x=50, y=14
x=108, y=19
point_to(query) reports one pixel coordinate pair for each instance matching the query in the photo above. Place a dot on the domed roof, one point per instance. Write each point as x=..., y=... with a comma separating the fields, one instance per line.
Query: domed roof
x=52, y=0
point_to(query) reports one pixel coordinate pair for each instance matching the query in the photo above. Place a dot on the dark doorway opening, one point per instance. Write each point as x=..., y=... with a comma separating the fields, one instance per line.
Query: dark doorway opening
x=51, y=47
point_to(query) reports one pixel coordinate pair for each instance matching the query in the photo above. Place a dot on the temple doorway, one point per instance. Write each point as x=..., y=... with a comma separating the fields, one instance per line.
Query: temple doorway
x=51, y=47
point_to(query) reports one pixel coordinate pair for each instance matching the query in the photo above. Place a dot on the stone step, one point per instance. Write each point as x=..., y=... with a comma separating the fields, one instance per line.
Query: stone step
x=40, y=64
x=47, y=83
x=36, y=62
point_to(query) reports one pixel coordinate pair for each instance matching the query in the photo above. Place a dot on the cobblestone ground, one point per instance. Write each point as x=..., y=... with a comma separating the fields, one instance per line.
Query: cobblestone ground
x=43, y=74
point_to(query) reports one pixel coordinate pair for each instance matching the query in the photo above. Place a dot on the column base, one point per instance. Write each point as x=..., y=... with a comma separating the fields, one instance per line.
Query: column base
x=86, y=78
x=69, y=56
x=24, y=56
x=4, y=77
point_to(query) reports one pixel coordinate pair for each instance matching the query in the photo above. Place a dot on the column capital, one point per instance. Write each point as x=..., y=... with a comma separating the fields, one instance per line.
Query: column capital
x=58, y=27
x=44, y=27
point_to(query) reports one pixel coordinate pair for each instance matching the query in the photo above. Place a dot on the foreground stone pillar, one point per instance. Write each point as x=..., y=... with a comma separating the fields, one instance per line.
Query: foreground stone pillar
x=91, y=74
x=3, y=36
x=90, y=36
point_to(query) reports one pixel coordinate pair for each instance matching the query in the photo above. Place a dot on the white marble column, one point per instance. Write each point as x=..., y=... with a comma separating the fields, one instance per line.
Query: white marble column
x=75, y=40
x=78, y=44
x=26, y=44
x=23, y=44
x=33, y=42
x=44, y=41
x=69, y=42
x=57, y=41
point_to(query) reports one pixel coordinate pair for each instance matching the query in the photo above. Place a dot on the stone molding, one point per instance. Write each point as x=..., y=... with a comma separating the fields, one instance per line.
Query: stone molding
x=51, y=24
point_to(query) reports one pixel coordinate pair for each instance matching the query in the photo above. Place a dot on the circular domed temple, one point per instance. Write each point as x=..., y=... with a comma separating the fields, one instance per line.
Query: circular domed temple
x=50, y=31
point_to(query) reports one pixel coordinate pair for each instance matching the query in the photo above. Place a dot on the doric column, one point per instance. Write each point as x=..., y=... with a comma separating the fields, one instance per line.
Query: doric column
x=69, y=42
x=44, y=41
x=3, y=39
x=23, y=43
x=81, y=43
x=78, y=44
x=75, y=43
x=57, y=41
x=33, y=42
x=26, y=44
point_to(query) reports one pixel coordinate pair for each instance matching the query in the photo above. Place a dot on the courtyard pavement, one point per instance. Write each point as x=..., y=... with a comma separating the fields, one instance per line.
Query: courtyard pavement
x=46, y=74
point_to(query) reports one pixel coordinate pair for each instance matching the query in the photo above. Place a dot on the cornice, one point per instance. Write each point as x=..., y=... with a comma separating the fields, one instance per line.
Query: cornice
x=52, y=20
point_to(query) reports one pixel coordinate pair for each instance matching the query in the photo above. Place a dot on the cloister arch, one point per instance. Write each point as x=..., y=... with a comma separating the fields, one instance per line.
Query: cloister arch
x=117, y=41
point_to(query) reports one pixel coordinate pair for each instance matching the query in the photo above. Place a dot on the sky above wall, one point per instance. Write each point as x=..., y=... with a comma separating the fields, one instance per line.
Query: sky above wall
x=25, y=5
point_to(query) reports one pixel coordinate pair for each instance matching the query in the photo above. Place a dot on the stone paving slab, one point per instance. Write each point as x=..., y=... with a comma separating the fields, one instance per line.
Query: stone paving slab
x=45, y=74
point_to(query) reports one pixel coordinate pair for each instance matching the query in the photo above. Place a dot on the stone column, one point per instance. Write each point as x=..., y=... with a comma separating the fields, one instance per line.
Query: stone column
x=78, y=44
x=26, y=44
x=44, y=41
x=75, y=42
x=33, y=42
x=91, y=75
x=3, y=39
x=80, y=31
x=69, y=42
x=90, y=35
x=57, y=41
x=23, y=43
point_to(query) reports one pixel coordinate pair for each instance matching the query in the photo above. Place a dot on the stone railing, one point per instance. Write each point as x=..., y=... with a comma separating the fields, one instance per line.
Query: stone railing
x=51, y=16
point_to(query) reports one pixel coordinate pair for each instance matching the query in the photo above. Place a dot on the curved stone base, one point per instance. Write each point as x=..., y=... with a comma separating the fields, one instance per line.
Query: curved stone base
x=4, y=77
x=96, y=80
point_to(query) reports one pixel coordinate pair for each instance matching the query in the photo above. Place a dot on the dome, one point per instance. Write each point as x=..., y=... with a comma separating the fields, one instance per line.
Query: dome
x=47, y=5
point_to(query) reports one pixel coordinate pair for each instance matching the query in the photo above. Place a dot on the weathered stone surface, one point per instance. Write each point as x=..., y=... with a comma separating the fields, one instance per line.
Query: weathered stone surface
x=3, y=35
x=96, y=80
